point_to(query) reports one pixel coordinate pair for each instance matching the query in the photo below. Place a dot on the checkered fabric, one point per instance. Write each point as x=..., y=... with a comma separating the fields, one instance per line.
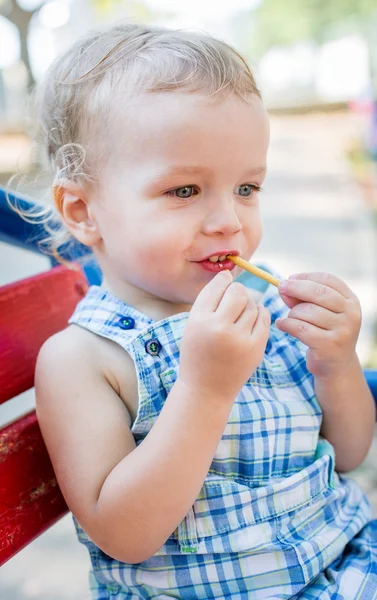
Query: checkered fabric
x=273, y=519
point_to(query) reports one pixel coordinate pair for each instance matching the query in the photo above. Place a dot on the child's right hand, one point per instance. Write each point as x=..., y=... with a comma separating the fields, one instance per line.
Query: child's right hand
x=224, y=340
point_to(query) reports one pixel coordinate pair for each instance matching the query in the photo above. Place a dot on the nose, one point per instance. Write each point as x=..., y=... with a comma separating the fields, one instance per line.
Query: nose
x=222, y=218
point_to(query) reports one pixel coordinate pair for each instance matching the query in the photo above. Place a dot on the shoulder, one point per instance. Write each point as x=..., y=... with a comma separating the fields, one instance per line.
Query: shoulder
x=72, y=347
x=67, y=361
x=79, y=355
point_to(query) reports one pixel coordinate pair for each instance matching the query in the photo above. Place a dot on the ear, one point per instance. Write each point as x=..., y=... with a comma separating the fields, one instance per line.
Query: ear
x=72, y=203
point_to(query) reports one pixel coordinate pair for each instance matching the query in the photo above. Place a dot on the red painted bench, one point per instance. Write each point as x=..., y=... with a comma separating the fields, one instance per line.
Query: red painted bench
x=31, y=310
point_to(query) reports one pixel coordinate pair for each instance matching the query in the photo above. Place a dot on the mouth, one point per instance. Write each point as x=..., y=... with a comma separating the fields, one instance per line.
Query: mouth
x=218, y=261
x=220, y=256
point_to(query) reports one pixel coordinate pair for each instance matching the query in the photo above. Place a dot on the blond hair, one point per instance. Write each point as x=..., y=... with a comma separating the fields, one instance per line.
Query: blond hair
x=82, y=85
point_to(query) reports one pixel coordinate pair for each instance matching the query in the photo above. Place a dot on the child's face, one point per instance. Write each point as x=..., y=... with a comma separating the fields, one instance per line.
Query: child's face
x=154, y=238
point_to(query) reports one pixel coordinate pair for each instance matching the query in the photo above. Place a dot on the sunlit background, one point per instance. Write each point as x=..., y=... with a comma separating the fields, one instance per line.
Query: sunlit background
x=315, y=62
x=304, y=52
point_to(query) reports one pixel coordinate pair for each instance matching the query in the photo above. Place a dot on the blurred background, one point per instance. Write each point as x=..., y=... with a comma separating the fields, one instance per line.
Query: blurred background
x=316, y=65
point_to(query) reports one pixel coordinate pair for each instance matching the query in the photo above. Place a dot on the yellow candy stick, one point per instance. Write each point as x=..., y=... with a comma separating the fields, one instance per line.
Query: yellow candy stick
x=244, y=264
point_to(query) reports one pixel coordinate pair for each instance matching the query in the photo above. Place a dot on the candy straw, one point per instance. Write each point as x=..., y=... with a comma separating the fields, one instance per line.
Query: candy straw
x=244, y=264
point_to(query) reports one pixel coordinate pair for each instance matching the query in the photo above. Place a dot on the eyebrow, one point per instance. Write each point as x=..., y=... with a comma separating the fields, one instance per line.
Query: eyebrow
x=184, y=170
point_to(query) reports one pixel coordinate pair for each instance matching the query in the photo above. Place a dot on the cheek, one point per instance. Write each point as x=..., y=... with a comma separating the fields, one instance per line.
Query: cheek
x=158, y=242
x=254, y=229
x=259, y=229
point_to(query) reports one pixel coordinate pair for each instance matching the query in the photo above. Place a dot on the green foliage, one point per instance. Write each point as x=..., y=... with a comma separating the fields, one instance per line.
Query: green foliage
x=105, y=6
x=278, y=22
x=135, y=8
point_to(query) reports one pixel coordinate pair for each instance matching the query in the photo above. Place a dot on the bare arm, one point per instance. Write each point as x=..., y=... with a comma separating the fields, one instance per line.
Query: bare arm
x=349, y=415
x=326, y=316
x=151, y=490
x=128, y=499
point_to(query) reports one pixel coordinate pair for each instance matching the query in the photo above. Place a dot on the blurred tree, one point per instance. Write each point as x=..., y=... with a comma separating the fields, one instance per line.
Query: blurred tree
x=136, y=9
x=21, y=18
x=105, y=6
x=277, y=23
x=285, y=23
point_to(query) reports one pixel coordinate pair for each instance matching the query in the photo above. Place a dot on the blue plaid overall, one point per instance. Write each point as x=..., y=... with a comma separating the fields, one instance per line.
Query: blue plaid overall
x=273, y=519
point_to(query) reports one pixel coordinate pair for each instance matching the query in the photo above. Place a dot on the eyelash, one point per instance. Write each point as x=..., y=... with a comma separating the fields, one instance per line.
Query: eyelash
x=254, y=188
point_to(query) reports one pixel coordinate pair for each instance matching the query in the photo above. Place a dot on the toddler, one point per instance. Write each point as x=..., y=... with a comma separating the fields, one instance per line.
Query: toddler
x=197, y=427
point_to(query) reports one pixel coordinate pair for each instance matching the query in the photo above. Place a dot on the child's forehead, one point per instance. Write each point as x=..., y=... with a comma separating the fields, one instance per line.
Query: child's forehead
x=159, y=119
x=181, y=103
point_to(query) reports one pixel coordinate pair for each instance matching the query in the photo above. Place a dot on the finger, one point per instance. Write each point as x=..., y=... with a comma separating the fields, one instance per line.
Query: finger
x=314, y=314
x=308, y=334
x=312, y=291
x=261, y=329
x=288, y=301
x=327, y=279
x=233, y=302
x=209, y=297
x=248, y=317
x=251, y=305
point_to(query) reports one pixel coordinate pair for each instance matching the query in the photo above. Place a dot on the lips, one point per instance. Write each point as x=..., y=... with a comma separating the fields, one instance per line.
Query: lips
x=220, y=253
x=214, y=266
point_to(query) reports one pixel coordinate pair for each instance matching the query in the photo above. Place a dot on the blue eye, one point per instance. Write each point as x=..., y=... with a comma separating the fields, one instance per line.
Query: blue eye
x=246, y=190
x=183, y=192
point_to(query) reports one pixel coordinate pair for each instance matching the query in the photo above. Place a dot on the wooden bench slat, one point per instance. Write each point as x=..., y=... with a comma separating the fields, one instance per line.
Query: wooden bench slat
x=30, y=498
x=32, y=310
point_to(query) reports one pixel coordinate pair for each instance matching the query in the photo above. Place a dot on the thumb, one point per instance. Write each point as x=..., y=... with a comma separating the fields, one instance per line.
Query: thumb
x=289, y=301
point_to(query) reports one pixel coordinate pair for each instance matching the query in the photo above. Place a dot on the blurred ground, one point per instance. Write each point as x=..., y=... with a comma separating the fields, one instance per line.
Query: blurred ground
x=14, y=151
x=314, y=219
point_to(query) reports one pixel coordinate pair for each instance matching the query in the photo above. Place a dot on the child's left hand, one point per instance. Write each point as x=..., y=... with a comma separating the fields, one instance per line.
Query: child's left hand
x=326, y=316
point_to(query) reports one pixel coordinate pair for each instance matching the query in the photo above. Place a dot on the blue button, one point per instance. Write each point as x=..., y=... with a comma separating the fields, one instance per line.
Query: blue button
x=153, y=347
x=126, y=323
